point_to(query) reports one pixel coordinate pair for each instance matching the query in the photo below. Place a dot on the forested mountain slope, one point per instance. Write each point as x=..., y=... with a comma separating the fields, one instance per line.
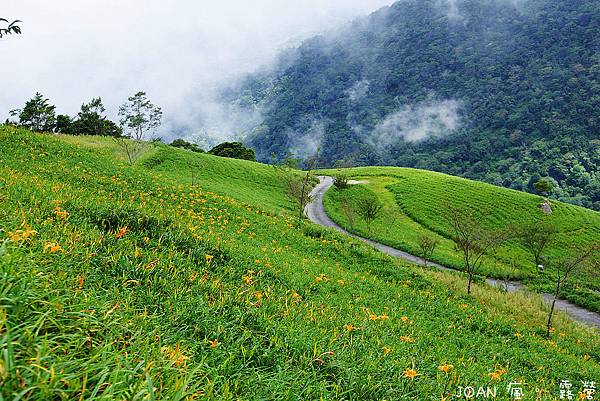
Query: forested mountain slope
x=502, y=91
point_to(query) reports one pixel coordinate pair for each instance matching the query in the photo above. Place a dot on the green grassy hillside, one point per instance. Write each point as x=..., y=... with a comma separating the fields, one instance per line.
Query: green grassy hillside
x=415, y=202
x=120, y=282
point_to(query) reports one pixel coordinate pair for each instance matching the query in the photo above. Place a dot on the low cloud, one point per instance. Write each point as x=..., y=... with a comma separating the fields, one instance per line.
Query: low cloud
x=415, y=123
x=359, y=90
x=180, y=53
x=308, y=143
x=207, y=119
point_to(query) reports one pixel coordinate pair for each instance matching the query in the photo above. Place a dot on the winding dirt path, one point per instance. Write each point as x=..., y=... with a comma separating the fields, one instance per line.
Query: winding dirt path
x=316, y=213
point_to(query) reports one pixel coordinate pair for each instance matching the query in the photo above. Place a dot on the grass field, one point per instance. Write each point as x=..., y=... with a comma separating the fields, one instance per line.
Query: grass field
x=121, y=282
x=415, y=202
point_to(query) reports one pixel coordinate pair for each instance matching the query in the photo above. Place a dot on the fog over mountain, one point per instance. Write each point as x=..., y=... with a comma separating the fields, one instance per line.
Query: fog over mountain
x=180, y=52
x=505, y=91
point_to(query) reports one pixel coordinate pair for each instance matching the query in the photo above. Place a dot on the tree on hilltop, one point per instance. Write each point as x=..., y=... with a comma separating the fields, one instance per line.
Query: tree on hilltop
x=92, y=121
x=138, y=118
x=183, y=144
x=38, y=114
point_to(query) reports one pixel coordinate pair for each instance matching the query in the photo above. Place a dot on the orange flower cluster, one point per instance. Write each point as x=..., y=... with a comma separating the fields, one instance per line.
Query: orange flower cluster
x=350, y=328
x=249, y=277
x=22, y=235
x=175, y=355
x=383, y=317
x=497, y=374
x=444, y=367
x=60, y=214
x=407, y=339
x=121, y=233
x=52, y=247
x=410, y=374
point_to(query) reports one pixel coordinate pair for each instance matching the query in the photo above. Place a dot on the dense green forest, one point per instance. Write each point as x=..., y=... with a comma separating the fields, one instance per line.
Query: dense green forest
x=502, y=91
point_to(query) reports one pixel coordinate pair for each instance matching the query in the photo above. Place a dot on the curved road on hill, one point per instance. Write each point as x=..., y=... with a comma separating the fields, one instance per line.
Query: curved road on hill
x=316, y=213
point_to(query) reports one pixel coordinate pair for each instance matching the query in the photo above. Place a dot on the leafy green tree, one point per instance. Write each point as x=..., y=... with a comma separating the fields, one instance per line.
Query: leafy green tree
x=64, y=124
x=579, y=176
x=369, y=209
x=10, y=27
x=233, y=150
x=38, y=114
x=544, y=186
x=139, y=117
x=341, y=181
x=92, y=121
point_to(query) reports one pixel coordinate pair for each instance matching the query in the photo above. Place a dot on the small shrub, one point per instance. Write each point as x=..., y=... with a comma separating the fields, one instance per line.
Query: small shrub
x=341, y=181
x=369, y=209
x=348, y=210
x=427, y=245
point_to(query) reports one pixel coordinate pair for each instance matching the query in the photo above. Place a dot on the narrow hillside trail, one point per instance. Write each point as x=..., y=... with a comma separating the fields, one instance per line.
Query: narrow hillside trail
x=316, y=213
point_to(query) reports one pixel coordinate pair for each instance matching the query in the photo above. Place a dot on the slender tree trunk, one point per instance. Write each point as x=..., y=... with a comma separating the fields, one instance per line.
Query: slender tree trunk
x=303, y=197
x=469, y=285
x=549, y=324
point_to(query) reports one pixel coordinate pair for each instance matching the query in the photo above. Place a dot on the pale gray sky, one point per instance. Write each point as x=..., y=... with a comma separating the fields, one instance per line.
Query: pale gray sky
x=73, y=50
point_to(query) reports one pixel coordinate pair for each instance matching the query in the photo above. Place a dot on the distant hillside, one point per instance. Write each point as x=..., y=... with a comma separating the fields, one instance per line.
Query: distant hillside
x=497, y=90
x=416, y=203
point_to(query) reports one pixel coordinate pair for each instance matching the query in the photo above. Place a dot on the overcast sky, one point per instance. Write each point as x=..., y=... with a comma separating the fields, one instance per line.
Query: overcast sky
x=73, y=50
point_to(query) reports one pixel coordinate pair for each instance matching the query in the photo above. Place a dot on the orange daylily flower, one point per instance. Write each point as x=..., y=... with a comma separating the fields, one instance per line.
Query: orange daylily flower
x=52, y=247
x=410, y=374
x=121, y=233
x=444, y=367
x=497, y=374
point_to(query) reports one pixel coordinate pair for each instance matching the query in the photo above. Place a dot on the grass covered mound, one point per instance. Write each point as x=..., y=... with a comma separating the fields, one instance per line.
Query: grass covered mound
x=415, y=202
x=121, y=282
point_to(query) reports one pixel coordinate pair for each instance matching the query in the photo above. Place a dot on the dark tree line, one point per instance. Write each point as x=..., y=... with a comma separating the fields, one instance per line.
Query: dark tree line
x=138, y=118
x=39, y=115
